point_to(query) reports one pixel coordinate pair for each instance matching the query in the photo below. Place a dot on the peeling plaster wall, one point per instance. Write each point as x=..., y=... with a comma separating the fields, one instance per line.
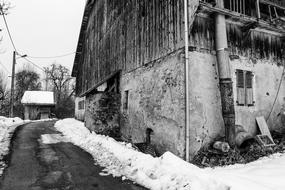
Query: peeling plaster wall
x=157, y=101
x=206, y=121
x=267, y=75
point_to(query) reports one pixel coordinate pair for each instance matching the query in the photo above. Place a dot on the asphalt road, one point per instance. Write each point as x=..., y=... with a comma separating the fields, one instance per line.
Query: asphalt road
x=61, y=166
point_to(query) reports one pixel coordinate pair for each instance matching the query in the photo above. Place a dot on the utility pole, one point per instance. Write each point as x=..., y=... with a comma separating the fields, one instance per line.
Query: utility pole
x=13, y=82
x=12, y=86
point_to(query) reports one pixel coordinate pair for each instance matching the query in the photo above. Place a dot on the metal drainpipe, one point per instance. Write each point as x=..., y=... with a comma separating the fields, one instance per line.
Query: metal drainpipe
x=226, y=84
x=187, y=117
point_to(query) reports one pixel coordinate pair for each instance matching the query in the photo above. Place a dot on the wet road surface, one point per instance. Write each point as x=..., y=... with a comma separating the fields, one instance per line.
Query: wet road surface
x=62, y=166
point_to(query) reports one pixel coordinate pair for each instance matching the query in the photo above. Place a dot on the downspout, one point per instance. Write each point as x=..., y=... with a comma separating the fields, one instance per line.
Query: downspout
x=187, y=116
x=226, y=84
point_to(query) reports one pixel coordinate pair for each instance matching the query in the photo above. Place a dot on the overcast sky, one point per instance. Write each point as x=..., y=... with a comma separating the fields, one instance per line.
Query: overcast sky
x=41, y=28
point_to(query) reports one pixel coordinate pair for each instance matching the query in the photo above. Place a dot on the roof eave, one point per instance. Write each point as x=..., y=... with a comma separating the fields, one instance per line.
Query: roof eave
x=84, y=23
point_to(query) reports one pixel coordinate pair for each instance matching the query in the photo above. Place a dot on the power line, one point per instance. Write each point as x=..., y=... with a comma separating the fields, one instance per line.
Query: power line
x=7, y=27
x=51, y=57
x=12, y=41
x=33, y=64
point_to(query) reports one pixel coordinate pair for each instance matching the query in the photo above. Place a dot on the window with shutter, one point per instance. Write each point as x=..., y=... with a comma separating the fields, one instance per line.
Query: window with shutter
x=240, y=87
x=249, y=90
x=244, y=88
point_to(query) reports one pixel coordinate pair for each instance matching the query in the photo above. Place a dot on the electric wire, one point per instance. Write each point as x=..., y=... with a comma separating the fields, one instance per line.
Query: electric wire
x=51, y=57
x=7, y=27
x=33, y=64
x=12, y=41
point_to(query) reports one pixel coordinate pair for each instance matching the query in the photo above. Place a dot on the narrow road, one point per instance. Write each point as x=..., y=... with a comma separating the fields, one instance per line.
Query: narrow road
x=62, y=166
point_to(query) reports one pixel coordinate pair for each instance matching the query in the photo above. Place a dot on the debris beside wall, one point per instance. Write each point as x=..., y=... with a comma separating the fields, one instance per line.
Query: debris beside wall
x=210, y=157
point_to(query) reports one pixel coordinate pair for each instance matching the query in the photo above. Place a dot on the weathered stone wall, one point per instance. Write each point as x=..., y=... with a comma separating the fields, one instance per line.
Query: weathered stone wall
x=206, y=122
x=266, y=80
x=102, y=113
x=157, y=101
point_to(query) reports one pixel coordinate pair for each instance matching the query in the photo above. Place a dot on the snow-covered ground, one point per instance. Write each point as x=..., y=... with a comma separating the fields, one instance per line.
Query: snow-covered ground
x=7, y=127
x=169, y=171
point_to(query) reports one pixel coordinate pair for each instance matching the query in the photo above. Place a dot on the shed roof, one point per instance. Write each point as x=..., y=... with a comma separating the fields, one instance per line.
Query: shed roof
x=38, y=98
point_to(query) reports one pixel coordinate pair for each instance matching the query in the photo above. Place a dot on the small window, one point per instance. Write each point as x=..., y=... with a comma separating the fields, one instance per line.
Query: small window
x=244, y=88
x=126, y=100
x=81, y=105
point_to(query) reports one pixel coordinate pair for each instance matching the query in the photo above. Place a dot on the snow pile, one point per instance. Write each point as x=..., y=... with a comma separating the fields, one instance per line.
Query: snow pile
x=10, y=121
x=38, y=97
x=120, y=159
x=265, y=174
x=7, y=127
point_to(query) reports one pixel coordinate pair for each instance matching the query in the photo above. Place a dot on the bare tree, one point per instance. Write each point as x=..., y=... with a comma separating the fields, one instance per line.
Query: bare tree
x=4, y=7
x=4, y=95
x=60, y=79
x=62, y=85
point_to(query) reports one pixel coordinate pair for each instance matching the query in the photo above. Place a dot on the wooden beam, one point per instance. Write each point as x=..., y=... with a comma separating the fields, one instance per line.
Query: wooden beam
x=99, y=83
x=258, y=9
x=243, y=18
x=272, y=4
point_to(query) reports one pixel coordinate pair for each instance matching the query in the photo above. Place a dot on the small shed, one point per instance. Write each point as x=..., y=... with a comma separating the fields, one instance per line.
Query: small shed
x=38, y=104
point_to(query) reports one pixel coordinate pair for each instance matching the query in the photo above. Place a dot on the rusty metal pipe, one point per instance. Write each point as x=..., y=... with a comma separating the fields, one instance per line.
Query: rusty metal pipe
x=226, y=85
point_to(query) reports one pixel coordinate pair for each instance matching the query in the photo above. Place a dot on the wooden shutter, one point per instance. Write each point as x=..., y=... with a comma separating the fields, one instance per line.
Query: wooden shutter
x=249, y=89
x=240, y=87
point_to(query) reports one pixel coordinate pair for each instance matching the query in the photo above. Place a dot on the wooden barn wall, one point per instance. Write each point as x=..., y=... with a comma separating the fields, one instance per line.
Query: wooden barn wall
x=127, y=34
x=250, y=43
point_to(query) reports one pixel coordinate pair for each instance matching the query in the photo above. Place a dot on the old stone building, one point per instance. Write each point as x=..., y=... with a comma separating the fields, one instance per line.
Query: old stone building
x=132, y=70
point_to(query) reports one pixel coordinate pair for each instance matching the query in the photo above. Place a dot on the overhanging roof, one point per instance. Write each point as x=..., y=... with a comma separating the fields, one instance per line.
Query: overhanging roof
x=79, y=49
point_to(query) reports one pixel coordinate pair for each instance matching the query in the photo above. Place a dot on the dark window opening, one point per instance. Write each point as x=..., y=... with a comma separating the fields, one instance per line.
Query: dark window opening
x=113, y=84
x=81, y=105
x=244, y=88
x=126, y=100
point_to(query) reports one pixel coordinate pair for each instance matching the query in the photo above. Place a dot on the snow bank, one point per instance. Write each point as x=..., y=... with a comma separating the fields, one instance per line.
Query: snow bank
x=265, y=174
x=7, y=127
x=120, y=159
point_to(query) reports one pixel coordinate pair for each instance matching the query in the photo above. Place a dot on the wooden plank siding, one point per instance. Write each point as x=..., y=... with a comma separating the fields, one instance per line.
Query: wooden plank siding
x=127, y=34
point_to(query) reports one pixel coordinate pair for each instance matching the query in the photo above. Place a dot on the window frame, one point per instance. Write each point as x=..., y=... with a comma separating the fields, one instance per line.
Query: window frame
x=244, y=88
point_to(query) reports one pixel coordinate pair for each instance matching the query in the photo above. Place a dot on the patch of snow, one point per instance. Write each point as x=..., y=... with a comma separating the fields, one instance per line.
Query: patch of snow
x=7, y=128
x=120, y=159
x=52, y=138
x=38, y=97
x=266, y=173
x=170, y=172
